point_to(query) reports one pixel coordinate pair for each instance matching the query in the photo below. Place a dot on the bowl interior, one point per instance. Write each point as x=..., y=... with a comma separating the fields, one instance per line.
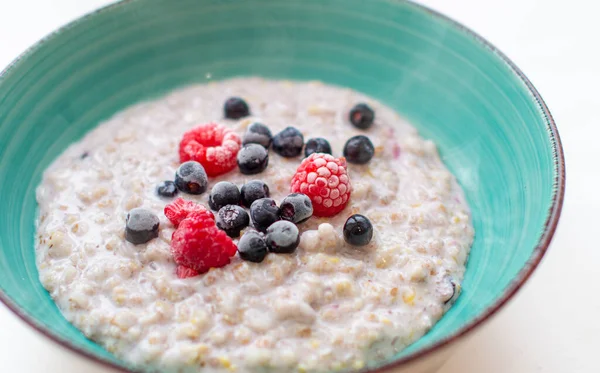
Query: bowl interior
x=491, y=131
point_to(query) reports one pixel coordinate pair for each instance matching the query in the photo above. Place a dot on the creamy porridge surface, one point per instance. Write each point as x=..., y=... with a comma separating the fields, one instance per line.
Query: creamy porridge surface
x=328, y=306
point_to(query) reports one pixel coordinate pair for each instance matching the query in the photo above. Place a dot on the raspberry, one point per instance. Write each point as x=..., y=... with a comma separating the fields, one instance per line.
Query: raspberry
x=212, y=145
x=325, y=181
x=185, y=272
x=179, y=209
x=199, y=245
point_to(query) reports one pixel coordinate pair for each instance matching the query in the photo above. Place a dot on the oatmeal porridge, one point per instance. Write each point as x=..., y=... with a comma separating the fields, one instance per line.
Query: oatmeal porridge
x=334, y=301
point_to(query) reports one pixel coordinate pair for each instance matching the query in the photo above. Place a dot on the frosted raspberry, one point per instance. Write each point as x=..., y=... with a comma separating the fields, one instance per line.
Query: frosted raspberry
x=324, y=179
x=212, y=145
x=180, y=208
x=199, y=245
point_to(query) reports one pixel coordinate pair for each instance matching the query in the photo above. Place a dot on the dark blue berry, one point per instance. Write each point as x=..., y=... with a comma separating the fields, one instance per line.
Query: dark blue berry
x=84, y=155
x=288, y=143
x=252, y=247
x=264, y=212
x=253, y=190
x=232, y=219
x=283, y=237
x=236, y=108
x=191, y=178
x=362, y=116
x=358, y=230
x=359, y=149
x=252, y=159
x=258, y=133
x=296, y=208
x=448, y=290
x=317, y=145
x=223, y=193
x=166, y=189
x=141, y=226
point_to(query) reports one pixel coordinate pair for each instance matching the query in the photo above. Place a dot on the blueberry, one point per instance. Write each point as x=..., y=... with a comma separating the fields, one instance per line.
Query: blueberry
x=362, y=116
x=191, y=178
x=252, y=159
x=258, y=133
x=288, y=143
x=253, y=190
x=359, y=149
x=447, y=290
x=232, y=219
x=166, y=189
x=141, y=226
x=317, y=145
x=252, y=247
x=236, y=108
x=283, y=237
x=223, y=193
x=264, y=212
x=296, y=208
x=358, y=230
x=84, y=155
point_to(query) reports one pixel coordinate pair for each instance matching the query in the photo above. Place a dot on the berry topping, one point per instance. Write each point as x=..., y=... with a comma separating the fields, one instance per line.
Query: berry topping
x=324, y=179
x=166, y=189
x=264, y=212
x=212, y=145
x=296, y=208
x=359, y=149
x=362, y=116
x=252, y=247
x=199, y=245
x=191, y=178
x=288, y=143
x=283, y=237
x=252, y=159
x=141, y=226
x=223, y=193
x=236, y=108
x=253, y=190
x=179, y=209
x=448, y=289
x=185, y=272
x=258, y=133
x=232, y=219
x=358, y=230
x=317, y=145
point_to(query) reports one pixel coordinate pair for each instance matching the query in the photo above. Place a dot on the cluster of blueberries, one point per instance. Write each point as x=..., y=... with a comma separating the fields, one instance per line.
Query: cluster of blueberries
x=253, y=158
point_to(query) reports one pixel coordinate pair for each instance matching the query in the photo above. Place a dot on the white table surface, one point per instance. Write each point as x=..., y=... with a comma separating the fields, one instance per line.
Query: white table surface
x=553, y=325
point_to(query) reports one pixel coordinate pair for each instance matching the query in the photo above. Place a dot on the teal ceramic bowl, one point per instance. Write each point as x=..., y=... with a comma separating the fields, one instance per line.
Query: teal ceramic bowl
x=492, y=127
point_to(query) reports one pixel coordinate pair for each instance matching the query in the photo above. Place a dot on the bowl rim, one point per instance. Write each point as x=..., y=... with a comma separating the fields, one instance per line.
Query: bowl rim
x=516, y=284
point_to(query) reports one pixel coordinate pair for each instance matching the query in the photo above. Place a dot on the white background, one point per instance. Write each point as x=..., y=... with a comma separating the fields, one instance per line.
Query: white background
x=553, y=325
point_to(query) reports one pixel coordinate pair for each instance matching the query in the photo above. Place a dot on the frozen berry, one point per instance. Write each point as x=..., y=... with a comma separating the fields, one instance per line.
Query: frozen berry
x=223, y=193
x=288, y=143
x=252, y=247
x=258, y=133
x=185, y=272
x=166, y=189
x=324, y=179
x=358, y=230
x=232, y=219
x=359, y=149
x=283, y=237
x=253, y=190
x=296, y=208
x=362, y=116
x=199, y=245
x=179, y=209
x=236, y=108
x=252, y=159
x=191, y=178
x=264, y=212
x=141, y=226
x=317, y=145
x=211, y=144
